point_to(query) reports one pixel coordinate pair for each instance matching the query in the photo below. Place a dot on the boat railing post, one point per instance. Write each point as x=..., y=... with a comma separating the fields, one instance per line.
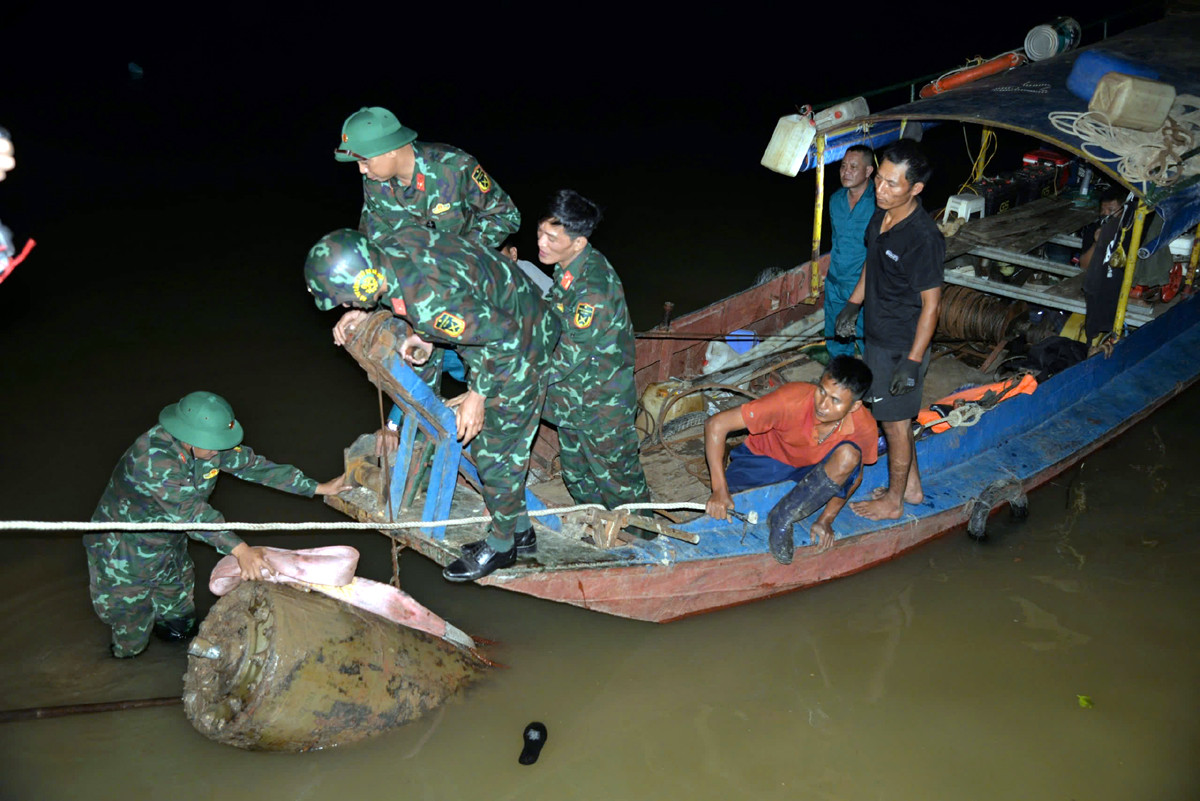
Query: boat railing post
x=1135, y=241
x=1194, y=260
x=818, y=212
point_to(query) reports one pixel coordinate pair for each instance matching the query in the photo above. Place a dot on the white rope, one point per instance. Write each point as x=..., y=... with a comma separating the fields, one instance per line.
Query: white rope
x=1140, y=157
x=42, y=525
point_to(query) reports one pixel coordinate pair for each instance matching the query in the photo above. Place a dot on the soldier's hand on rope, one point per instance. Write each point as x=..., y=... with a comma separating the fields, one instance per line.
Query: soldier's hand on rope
x=345, y=327
x=469, y=408
x=251, y=562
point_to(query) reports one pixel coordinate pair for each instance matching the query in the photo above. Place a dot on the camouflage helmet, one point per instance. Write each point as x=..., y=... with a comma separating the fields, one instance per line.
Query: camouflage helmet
x=202, y=420
x=339, y=269
x=371, y=132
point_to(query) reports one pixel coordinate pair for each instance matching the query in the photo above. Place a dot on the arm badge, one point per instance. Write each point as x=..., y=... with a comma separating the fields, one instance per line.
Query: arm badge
x=584, y=314
x=481, y=180
x=449, y=324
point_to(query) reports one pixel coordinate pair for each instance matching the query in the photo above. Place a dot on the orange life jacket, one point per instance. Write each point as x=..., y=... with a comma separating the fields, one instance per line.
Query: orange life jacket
x=986, y=396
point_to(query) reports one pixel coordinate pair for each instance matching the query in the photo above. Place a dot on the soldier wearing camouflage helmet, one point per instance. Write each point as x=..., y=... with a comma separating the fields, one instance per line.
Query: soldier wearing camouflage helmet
x=591, y=398
x=406, y=182
x=143, y=580
x=457, y=293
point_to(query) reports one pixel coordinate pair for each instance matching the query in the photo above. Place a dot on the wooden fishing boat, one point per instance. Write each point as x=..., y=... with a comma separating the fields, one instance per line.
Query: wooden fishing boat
x=702, y=564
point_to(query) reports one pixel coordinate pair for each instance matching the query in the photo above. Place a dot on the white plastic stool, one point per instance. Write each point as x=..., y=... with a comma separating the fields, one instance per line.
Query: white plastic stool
x=964, y=206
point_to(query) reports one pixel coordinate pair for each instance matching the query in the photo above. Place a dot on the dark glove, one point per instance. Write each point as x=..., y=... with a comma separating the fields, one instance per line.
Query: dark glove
x=847, y=321
x=904, y=379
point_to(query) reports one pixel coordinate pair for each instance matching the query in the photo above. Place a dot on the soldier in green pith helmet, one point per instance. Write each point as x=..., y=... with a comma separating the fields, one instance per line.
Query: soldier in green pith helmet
x=406, y=182
x=459, y=294
x=592, y=397
x=143, y=580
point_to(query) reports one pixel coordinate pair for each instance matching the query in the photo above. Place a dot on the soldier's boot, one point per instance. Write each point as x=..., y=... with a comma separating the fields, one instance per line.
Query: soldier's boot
x=176, y=629
x=112, y=649
x=526, y=542
x=810, y=494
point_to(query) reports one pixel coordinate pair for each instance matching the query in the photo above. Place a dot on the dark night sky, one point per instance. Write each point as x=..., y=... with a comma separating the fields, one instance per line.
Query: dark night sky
x=653, y=113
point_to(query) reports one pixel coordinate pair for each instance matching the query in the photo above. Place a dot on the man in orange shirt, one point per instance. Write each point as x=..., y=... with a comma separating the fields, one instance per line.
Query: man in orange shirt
x=818, y=435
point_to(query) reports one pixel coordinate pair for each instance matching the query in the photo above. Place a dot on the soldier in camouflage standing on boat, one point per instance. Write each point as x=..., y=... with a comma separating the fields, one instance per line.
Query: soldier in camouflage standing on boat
x=406, y=182
x=410, y=183
x=144, y=580
x=591, y=398
x=456, y=292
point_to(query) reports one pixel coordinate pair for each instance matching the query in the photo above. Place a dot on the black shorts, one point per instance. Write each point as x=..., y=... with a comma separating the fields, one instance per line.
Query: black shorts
x=885, y=406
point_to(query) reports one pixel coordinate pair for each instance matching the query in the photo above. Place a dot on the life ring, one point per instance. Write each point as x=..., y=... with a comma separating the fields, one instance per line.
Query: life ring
x=965, y=76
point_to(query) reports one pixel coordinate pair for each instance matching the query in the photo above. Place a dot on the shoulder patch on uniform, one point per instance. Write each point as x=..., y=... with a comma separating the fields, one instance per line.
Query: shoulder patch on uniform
x=212, y=473
x=366, y=283
x=449, y=324
x=566, y=280
x=481, y=179
x=420, y=182
x=398, y=307
x=584, y=314
x=441, y=208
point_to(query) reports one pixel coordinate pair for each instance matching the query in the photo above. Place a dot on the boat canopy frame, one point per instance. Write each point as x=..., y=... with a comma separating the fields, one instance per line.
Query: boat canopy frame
x=1022, y=99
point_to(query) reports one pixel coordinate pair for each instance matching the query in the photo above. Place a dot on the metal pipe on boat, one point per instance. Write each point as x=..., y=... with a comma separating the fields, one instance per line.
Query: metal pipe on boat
x=1135, y=242
x=818, y=212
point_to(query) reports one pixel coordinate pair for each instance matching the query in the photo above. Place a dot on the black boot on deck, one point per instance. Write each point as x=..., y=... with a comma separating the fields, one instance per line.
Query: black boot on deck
x=810, y=494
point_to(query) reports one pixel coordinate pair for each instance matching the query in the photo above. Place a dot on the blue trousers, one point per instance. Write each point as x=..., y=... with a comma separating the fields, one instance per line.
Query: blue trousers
x=748, y=470
x=836, y=296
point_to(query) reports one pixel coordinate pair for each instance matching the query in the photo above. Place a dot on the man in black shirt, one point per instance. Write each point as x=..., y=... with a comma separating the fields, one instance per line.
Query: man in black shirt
x=900, y=288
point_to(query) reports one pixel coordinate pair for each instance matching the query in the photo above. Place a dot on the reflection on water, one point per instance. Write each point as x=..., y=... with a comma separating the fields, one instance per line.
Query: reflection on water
x=953, y=672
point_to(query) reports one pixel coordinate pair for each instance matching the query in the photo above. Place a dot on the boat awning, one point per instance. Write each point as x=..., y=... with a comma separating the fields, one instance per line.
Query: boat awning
x=1022, y=99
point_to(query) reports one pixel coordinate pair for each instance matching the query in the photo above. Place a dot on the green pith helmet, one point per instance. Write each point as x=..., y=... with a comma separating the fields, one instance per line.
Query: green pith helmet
x=371, y=132
x=203, y=420
x=339, y=270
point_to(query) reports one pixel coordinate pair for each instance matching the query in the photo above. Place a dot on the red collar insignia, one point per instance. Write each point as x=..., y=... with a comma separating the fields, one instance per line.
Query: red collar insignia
x=566, y=280
x=399, y=308
x=420, y=182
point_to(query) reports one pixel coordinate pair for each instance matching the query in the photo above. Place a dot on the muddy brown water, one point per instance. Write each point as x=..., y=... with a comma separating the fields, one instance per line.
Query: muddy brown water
x=954, y=672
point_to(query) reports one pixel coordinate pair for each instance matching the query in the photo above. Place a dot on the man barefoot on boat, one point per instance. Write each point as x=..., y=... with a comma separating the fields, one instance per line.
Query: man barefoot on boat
x=900, y=290
x=818, y=435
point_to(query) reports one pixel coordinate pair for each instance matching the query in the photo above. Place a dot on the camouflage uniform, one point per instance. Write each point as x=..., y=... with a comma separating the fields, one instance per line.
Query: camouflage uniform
x=456, y=292
x=592, y=398
x=139, y=577
x=449, y=192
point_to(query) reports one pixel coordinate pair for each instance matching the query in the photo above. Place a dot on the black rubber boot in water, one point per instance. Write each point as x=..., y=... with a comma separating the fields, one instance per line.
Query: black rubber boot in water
x=810, y=494
x=535, y=738
x=176, y=629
